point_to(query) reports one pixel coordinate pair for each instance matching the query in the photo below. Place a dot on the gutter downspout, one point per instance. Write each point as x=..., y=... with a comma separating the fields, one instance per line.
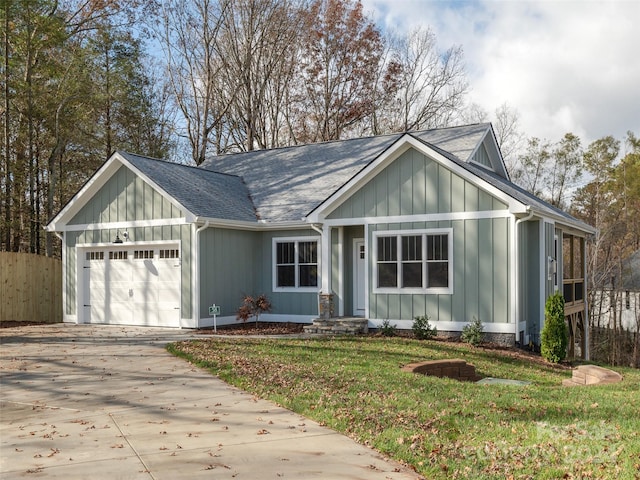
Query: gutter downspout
x=325, y=249
x=517, y=268
x=317, y=228
x=196, y=273
x=63, y=252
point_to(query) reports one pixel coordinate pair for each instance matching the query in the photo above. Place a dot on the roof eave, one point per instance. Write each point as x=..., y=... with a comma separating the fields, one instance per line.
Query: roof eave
x=259, y=225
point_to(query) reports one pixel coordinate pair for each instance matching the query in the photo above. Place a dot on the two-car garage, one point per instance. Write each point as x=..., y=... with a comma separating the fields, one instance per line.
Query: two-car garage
x=130, y=285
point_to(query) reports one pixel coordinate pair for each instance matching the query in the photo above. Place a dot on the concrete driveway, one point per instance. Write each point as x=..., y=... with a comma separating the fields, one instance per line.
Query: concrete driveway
x=80, y=401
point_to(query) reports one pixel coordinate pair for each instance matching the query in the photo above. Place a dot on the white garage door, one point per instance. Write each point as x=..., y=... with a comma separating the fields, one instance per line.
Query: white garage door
x=132, y=286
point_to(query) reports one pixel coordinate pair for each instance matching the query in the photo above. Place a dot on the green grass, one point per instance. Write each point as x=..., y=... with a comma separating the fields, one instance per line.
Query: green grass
x=441, y=427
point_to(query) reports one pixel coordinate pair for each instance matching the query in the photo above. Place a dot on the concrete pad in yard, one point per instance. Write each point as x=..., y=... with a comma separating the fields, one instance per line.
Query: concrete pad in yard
x=80, y=401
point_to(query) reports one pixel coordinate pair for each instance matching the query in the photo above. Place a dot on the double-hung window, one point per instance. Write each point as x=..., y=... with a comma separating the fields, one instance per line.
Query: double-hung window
x=295, y=264
x=414, y=261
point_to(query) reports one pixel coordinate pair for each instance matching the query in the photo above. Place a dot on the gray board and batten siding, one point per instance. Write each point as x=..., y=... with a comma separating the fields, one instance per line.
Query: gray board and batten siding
x=480, y=275
x=417, y=186
x=126, y=197
x=234, y=263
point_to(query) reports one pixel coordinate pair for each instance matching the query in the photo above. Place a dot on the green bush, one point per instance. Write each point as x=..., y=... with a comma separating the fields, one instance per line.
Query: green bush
x=422, y=329
x=387, y=329
x=554, y=338
x=473, y=332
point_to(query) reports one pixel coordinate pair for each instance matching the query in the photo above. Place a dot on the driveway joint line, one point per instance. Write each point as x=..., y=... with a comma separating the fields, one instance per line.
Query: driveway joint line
x=126, y=439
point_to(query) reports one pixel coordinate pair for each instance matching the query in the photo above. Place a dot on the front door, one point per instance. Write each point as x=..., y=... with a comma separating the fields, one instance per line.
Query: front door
x=359, y=261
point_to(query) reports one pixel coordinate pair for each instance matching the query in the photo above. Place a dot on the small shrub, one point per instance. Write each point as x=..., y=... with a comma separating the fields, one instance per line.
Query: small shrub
x=387, y=329
x=554, y=338
x=253, y=307
x=422, y=329
x=472, y=333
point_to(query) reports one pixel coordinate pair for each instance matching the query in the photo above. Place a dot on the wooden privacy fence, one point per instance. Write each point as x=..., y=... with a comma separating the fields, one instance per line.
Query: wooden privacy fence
x=30, y=288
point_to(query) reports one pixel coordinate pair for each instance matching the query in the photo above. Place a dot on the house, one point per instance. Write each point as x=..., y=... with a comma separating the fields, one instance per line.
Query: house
x=386, y=228
x=617, y=306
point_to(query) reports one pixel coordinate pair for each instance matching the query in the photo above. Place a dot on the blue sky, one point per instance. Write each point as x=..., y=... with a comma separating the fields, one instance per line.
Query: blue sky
x=565, y=65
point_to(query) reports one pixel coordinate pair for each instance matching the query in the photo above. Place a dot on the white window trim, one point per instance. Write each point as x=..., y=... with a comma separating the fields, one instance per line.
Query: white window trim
x=412, y=291
x=274, y=264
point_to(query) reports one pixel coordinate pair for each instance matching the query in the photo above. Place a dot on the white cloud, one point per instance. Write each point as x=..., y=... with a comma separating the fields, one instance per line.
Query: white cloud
x=566, y=66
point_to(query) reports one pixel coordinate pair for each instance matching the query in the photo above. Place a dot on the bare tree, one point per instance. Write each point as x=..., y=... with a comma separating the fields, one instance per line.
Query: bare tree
x=256, y=48
x=188, y=34
x=508, y=135
x=432, y=83
x=532, y=165
x=549, y=170
x=566, y=169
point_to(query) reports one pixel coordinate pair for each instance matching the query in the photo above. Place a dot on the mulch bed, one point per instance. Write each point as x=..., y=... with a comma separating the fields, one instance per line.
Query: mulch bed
x=16, y=323
x=250, y=328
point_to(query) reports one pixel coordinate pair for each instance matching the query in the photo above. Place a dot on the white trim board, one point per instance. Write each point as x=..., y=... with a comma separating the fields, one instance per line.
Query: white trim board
x=424, y=217
x=159, y=222
x=446, y=326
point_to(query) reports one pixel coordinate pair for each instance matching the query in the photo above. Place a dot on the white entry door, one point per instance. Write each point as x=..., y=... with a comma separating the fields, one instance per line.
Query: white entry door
x=132, y=286
x=359, y=262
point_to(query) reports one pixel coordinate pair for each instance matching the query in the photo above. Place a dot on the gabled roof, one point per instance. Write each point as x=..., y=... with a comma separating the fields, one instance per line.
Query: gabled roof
x=202, y=192
x=197, y=192
x=519, y=194
x=288, y=183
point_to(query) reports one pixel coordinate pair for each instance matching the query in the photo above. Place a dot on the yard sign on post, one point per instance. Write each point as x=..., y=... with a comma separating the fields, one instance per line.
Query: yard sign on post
x=215, y=311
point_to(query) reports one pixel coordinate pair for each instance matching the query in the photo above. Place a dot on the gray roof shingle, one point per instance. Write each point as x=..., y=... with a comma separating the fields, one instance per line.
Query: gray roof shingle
x=204, y=193
x=288, y=183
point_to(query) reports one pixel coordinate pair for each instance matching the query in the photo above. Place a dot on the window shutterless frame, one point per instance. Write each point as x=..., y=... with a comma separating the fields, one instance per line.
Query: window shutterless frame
x=296, y=264
x=413, y=261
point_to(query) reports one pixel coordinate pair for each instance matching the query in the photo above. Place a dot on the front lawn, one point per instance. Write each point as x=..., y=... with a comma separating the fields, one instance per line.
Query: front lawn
x=441, y=427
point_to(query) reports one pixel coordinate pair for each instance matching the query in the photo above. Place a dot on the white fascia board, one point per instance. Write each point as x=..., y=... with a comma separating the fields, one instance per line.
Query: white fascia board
x=403, y=144
x=253, y=226
x=96, y=182
x=159, y=222
x=568, y=227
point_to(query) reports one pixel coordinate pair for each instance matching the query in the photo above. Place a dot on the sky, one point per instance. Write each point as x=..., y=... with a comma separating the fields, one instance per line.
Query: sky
x=564, y=65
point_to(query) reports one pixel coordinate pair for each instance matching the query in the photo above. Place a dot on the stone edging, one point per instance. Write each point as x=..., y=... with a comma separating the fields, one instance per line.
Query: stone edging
x=591, y=375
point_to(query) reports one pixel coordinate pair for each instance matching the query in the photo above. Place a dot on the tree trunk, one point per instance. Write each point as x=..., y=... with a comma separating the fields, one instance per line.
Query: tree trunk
x=6, y=228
